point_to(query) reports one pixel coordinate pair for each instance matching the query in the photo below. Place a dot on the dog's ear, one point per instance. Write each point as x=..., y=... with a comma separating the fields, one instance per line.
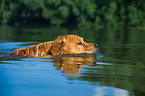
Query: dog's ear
x=57, y=46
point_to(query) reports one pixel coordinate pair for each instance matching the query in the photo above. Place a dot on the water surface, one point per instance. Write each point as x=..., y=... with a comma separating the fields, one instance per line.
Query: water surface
x=118, y=69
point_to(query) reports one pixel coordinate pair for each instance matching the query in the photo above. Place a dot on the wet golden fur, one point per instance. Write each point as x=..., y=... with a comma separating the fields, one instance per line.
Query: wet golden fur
x=63, y=45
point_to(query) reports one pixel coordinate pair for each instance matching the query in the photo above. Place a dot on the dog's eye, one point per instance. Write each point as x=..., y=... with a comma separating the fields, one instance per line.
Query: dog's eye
x=80, y=43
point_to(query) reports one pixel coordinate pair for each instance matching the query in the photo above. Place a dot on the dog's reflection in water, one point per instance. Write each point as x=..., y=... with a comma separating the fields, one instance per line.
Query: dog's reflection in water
x=71, y=65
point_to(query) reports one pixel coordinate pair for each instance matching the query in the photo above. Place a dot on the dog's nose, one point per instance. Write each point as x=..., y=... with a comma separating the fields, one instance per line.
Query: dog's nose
x=96, y=45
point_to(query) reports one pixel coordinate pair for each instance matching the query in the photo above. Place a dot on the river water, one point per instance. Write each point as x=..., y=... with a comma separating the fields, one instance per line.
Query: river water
x=118, y=69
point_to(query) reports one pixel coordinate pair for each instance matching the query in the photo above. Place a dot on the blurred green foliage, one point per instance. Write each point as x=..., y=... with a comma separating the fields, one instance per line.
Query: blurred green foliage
x=110, y=13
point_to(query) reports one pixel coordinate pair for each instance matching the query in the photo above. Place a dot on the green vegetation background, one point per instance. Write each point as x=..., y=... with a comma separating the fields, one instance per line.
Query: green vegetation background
x=110, y=13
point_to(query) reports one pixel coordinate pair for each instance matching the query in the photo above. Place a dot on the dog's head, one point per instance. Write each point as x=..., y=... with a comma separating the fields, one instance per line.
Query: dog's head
x=72, y=44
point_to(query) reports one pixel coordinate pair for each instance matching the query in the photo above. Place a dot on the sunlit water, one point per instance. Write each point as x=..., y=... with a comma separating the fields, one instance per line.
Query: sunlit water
x=118, y=69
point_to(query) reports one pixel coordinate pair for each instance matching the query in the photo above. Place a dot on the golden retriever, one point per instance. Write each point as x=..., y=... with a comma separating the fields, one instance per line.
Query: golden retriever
x=63, y=45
